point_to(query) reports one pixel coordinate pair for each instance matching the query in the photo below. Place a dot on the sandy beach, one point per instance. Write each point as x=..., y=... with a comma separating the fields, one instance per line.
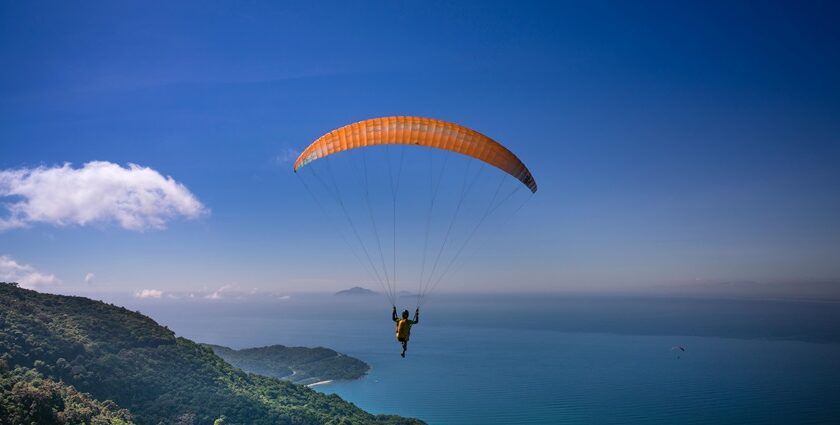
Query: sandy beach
x=319, y=383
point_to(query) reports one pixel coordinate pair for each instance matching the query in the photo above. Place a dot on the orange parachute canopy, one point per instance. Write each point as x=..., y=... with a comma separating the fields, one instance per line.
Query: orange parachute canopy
x=421, y=132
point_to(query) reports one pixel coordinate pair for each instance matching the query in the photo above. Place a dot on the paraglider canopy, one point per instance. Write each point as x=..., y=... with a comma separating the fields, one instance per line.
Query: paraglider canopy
x=428, y=132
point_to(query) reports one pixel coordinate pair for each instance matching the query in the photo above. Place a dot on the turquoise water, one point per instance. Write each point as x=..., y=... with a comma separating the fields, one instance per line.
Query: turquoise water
x=468, y=375
x=522, y=364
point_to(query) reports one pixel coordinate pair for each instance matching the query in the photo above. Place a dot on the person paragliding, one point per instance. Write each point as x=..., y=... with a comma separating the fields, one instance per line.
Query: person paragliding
x=404, y=326
x=465, y=204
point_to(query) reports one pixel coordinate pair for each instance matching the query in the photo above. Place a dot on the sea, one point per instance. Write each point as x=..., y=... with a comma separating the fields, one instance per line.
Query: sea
x=552, y=359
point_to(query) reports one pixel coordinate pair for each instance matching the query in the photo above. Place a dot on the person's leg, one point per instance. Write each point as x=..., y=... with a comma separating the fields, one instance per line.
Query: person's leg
x=405, y=347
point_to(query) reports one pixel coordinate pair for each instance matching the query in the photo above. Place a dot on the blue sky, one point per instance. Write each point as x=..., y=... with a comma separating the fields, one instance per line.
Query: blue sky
x=674, y=142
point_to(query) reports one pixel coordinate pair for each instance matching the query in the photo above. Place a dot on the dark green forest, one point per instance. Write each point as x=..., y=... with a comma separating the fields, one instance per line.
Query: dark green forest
x=73, y=360
x=26, y=397
x=300, y=365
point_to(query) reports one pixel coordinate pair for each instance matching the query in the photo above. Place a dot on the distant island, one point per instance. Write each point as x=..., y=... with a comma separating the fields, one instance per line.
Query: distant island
x=300, y=365
x=72, y=360
x=356, y=290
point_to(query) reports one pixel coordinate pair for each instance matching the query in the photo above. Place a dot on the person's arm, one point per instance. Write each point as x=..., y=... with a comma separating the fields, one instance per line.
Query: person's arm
x=394, y=314
x=417, y=316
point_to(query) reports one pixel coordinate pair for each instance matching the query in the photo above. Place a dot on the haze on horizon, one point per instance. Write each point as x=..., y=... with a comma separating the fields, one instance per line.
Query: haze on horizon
x=680, y=148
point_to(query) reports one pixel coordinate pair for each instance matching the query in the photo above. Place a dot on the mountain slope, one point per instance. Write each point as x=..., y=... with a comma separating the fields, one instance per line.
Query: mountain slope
x=118, y=355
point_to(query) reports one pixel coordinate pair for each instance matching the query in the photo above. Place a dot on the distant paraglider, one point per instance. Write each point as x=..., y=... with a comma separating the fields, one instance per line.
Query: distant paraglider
x=678, y=350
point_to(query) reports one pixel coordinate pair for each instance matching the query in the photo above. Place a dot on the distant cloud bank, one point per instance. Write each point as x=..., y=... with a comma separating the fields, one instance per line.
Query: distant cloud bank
x=148, y=293
x=225, y=292
x=24, y=274
x=134, y=197
x=218, y=294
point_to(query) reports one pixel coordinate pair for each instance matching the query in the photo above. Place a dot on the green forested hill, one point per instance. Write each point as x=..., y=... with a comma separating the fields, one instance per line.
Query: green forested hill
x=28, y=398
x=300, y=365
x=126, y=361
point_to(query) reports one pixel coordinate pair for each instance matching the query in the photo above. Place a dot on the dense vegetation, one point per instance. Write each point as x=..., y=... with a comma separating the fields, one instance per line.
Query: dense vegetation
x=26, y=398
x=71, y=345
x=298, y=364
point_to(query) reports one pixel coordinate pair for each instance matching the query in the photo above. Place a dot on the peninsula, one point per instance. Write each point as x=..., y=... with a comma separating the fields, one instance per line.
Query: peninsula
x=300, y=365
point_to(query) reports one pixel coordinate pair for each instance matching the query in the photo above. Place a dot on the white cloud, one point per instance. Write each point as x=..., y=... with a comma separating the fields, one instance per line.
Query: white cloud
x=135, y=197
x=286, y=156
x=217, y=294
x=24, y=274
x=148, y=293
x=89, y=278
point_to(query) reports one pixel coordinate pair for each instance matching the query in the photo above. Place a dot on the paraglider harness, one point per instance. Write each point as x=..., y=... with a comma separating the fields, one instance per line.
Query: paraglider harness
x=404, y=324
